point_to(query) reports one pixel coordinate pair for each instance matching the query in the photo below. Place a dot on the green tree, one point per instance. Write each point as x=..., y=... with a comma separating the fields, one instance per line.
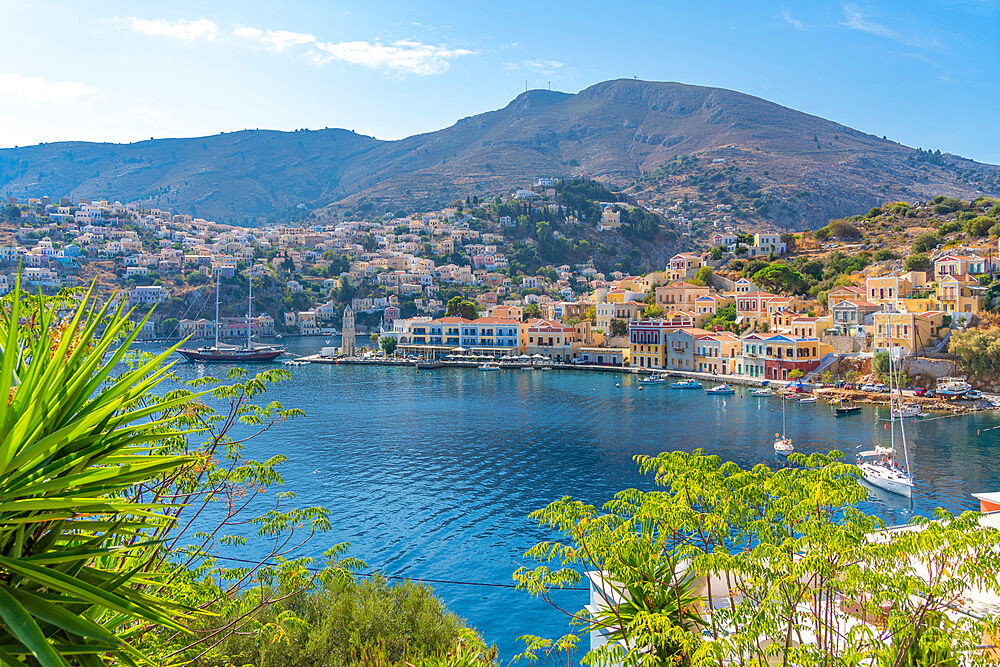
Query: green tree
x=880, y=362
x=168, y=327
x=795, y=374
x=652, y=311
x=703, y=276
x=753, y=266
x=721, y=565
x=459, y=306
x=716, y=253
x=979, y=225
x=926, y=242
x=780, y=277
x=388, y=345
x=917, y=262
x=531, y=311
x=618, y=327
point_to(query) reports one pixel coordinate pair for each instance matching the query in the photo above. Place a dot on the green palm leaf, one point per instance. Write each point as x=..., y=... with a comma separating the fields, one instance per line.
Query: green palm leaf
x=75, y=435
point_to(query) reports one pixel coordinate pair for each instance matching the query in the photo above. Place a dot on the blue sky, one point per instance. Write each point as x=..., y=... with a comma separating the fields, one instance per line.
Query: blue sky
x=923, y=73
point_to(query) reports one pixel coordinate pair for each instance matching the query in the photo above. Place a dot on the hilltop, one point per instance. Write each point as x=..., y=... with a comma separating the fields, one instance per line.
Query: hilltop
x=663, y=141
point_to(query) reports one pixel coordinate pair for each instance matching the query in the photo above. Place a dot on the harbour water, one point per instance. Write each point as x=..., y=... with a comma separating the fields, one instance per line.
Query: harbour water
x=432, y=474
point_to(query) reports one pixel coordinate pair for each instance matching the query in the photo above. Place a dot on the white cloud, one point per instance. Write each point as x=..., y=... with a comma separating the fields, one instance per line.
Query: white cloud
x=538, y=66
x=35, y=91
x=854, y=20
x=180, y=29
x=401, y=56
x=276, y=40
x=792, y=21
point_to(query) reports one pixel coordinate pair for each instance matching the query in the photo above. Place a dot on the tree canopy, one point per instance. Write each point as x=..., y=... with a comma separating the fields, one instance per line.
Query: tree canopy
x=719, y=565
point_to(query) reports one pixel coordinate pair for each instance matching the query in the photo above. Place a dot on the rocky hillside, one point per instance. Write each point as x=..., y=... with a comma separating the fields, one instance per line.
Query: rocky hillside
x=788, y=167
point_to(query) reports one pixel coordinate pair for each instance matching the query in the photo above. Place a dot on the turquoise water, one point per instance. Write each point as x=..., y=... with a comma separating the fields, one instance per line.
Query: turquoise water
x=432, y=474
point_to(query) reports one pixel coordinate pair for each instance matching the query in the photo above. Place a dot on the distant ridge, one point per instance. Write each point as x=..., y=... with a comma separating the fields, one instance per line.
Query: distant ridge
x=809, y=168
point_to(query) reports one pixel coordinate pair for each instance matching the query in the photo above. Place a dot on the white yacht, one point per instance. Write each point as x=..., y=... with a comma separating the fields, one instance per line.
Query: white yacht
x=783, y=445
x=907, y=410
x=879, y=466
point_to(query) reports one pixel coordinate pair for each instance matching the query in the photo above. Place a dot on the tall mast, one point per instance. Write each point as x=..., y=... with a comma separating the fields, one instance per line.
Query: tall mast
x=217, y=274
x=249, y=300
x=892, y=420
x=902, y=428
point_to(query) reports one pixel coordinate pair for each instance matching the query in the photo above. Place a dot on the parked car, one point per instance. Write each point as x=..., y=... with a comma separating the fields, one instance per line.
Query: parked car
x=839, y=384
x=867, y=387
x=881, y=388
x=848, y=385
x=920, y=391
x=974, y=394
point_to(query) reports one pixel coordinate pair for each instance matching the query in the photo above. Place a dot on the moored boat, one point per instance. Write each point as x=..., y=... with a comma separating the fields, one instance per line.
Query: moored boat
x=686, y=384
x=489, y=367
x=952, y=387
x=656, y=378
x=782, y=444
x=721, y=389
x=843, y=410
x=762, y=392
x=879, y=466
x=220, y=353
x=907, y=410
x=807, y=399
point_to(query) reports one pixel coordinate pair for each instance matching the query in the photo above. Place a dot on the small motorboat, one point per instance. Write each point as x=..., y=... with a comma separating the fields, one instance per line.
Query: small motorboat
x=907, y=410
x=489, y=367
x=686, y=384
x=762, y=392
x=721, y=389
x=807, y=399
x=846, y=410
x=654, y=379
x=973, y=394
x=545, y=368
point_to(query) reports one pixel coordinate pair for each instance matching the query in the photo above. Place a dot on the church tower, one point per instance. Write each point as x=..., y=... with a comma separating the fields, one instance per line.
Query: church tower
x=347, y=333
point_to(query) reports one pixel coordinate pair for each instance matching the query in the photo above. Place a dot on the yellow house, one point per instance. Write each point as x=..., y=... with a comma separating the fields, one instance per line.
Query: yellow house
x=752, y=306
x=810, y=327
x=716, y=353
x=957, y=294
x=707, y=306
x=887, y=290
x=680, y=295
x=684, y=265
x=648, y=343
x=845, y=293
x=908, y=331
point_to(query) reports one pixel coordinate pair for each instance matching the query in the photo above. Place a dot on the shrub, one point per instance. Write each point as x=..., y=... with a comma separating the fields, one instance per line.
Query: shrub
x=917, y=262
x=926, y=241
x=979, y=226
x=346, y=623
x=883, y=254
x=840, y=229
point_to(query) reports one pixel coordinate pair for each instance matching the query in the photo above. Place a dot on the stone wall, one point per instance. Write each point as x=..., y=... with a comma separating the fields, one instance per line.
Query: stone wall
x=844, y=344
x=926, y=371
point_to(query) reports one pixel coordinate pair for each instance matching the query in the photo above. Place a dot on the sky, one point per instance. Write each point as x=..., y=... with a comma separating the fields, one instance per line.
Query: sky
x=926, y=74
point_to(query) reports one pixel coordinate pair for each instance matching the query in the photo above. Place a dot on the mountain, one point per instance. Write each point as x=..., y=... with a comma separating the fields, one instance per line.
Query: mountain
x=779, y=164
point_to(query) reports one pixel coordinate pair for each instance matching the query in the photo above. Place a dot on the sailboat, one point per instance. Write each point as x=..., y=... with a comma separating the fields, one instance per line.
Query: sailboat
x=218, y=353
x=879, y=467
x=783, y=445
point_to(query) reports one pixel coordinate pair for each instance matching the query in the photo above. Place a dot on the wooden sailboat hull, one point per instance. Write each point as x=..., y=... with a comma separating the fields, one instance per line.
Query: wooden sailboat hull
x=231, y=356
